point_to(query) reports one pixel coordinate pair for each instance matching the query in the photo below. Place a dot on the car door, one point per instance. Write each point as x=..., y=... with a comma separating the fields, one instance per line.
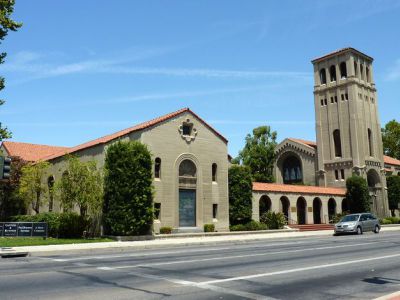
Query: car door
x=364, y=222
x=369, y=222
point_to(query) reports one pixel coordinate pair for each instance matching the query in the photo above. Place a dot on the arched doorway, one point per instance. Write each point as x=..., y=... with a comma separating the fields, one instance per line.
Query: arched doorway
x=331, y=208
x=345, y=206
x=317, y=206
x=264, y=205
x=187, y=193
x=284, y=207
x=301, y=211
x=292, y=170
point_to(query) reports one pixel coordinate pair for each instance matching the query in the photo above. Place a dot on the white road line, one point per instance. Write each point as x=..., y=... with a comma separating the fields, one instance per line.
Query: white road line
x=162, y=253
x=230, y=257
x=218, y=289
x=298, y=270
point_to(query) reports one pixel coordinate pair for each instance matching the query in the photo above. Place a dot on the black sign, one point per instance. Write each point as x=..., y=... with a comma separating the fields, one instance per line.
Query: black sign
x=24, y=229
x=39, y=229
x=10, y=229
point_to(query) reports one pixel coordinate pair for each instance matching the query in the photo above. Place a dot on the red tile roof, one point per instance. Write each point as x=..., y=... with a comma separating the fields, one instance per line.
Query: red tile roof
x=297, y=189
x=391, y=161
x=30, y=152
x=341, y=51
x=138, y=127
x=305, y=142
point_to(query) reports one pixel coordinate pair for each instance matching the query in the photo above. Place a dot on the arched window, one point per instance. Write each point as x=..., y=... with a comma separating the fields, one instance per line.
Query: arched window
x=264, y=205
x=371, y=152
x=332, y=73
x=337, y=142
x=355, y=69
x=187, y=169
x=367, y=74
x=361, y=72
x=214, y=172
x=50, y=184
x=343, y=70
x=157, y=168
x=322, y=76
x=292, y=172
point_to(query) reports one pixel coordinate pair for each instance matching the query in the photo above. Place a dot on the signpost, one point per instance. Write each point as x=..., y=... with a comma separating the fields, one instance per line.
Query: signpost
x=23, y=229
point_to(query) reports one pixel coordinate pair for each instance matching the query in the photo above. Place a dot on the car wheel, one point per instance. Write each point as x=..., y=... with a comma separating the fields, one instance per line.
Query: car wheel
x=376, y=230
x=359, y=230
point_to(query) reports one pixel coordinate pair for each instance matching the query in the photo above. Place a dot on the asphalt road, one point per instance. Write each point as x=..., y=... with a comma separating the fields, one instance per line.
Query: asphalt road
x=344, y=267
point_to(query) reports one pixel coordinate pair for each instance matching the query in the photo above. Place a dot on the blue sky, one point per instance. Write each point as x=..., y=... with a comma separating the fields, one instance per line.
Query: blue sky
x=78, y=70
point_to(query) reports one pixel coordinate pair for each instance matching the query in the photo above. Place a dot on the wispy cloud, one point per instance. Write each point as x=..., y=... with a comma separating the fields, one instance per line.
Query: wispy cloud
x=394, y=72
x=30, y=65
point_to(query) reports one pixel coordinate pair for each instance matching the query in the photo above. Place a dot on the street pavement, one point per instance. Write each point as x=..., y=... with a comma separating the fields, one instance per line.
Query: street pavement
x=314, y=267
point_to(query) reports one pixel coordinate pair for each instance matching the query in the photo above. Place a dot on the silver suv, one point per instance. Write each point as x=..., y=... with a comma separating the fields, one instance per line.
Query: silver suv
x=358, y=223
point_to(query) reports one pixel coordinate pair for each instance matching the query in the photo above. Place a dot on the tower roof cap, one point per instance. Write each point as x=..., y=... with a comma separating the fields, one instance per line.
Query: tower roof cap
x=341, y=51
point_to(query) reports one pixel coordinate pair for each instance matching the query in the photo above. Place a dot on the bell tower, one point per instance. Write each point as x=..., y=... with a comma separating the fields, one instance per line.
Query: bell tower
x=347, y=123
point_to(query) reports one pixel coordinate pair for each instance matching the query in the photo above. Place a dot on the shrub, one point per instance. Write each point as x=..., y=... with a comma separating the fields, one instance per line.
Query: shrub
x=240, y=195
x=357, y=194
x=165, y=230
x=392, y=220
x=60, y=225
x=386, y=221
x=209, y=227
x=250, y=226
x=128, y=194
x=273, y=220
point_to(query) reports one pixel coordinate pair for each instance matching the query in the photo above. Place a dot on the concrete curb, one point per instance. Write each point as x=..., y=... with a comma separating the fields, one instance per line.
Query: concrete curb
x=174, y=242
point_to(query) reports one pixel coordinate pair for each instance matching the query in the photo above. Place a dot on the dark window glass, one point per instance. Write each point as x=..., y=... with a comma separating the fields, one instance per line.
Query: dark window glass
x=214, y=172
x=292, y=172
x=215, y=211
x=337, y=143
x=336, y=174
x=157, y=168
x=322, y=75
x=342, y=173
x=326, y=101
x=370, y=142
x=332, y=73
x=343, y=70
x=187, y=129
x=157, y=211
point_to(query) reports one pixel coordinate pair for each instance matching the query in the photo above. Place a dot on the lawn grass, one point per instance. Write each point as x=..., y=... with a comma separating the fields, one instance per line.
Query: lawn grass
x=20, y=241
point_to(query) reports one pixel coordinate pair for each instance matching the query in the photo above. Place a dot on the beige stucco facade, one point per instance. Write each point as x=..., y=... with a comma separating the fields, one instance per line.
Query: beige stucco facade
x=166, y=141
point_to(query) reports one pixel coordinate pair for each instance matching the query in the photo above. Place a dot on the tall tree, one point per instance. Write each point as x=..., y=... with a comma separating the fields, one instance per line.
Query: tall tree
x=11, y=203
x=391, y=139
x=6, y=24
x=32, y=185
x=393, y=185
x=357, y=194
x=81, y=185
x=128, y=191
x=259, y=153
x=240, y=195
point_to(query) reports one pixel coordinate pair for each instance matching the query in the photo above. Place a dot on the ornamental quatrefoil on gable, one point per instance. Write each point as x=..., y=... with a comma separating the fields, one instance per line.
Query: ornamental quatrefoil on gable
x=187, y=131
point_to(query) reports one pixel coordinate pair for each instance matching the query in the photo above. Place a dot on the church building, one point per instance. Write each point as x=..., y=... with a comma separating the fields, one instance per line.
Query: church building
x=311, y=176
x=191, y=161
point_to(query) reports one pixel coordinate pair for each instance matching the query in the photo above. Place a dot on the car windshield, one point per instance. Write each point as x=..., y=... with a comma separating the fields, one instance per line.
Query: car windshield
x=350, y=218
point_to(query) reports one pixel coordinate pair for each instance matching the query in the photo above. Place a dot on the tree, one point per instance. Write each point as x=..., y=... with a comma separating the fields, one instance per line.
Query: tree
x=357, y=194
x=259, y=153
x=393, y=185
x=240, y=195
x=6, y=24
x=128, y=191
x=32, y=186
x=81, y=185
x=11, y=203
x=391, y=139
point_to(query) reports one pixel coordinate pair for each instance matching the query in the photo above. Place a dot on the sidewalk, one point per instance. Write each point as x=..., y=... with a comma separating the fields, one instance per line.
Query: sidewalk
x=178, y=241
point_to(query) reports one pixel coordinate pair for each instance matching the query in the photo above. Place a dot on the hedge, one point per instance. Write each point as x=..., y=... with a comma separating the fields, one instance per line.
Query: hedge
x=250, y=226
x=60, y=225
